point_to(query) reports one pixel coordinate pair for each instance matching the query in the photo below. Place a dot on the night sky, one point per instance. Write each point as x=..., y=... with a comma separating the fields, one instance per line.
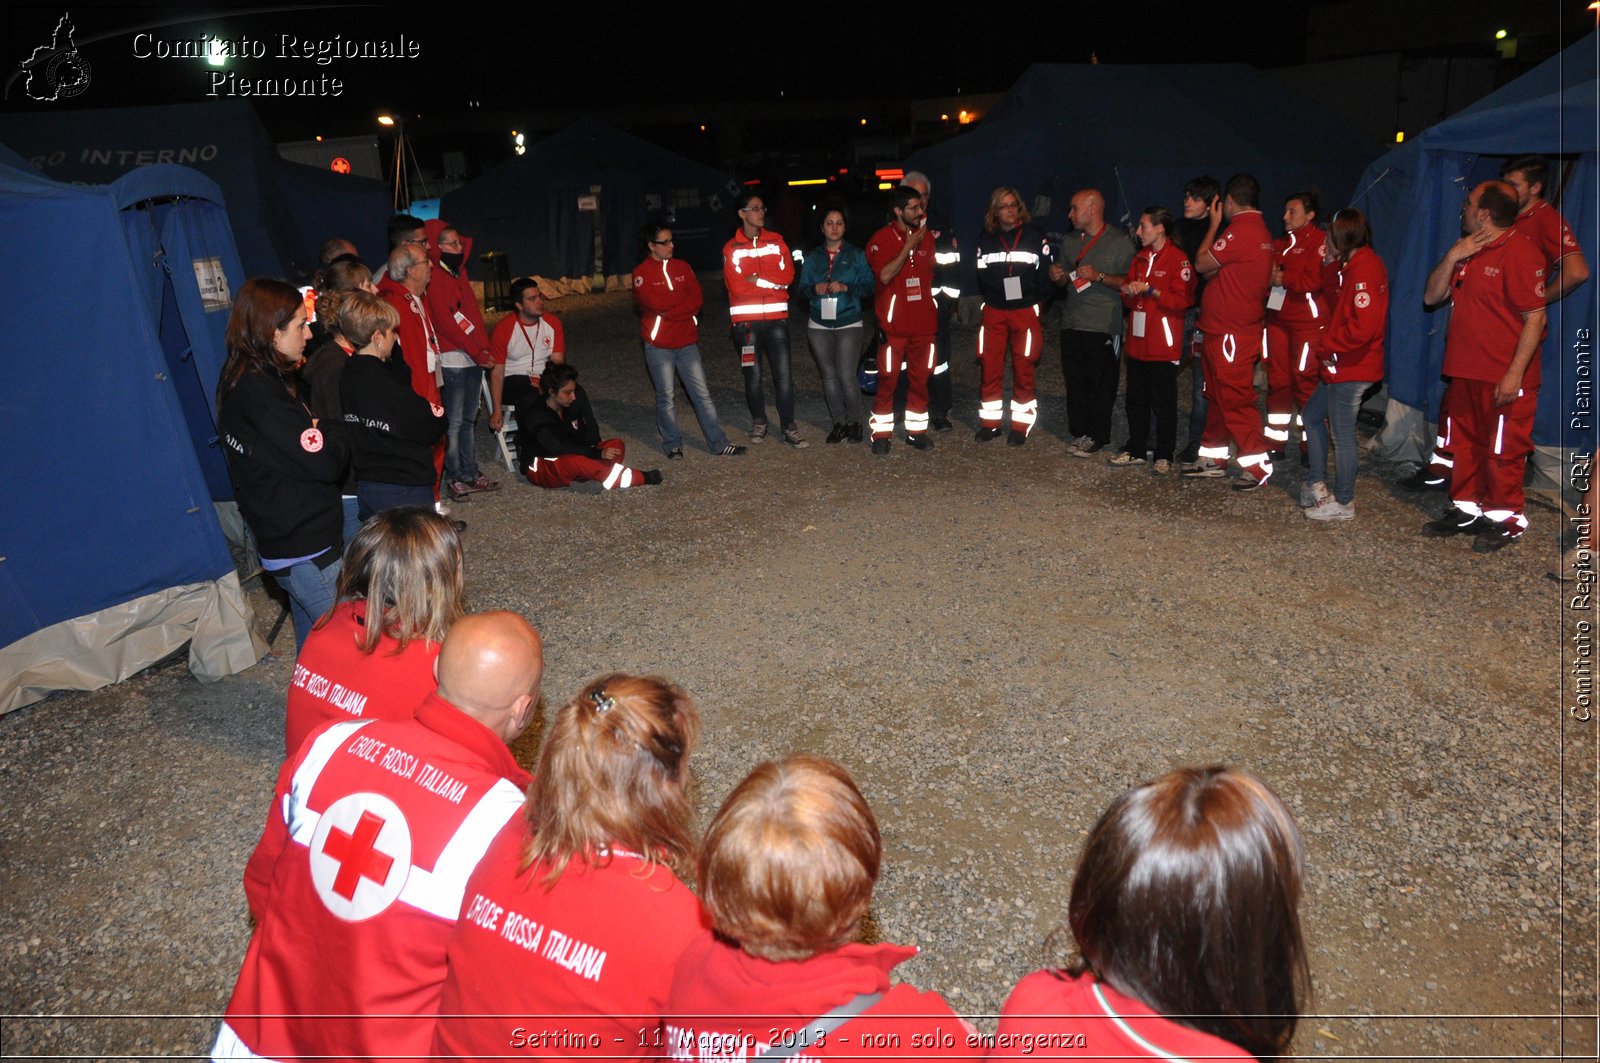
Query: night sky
x=514, y=57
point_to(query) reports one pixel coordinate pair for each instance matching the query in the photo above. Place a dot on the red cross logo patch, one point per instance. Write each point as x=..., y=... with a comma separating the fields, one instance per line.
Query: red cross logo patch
x=311, y=440
x=360, y=855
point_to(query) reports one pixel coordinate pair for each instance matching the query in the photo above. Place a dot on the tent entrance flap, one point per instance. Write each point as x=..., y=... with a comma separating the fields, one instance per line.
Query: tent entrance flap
x=179, y=352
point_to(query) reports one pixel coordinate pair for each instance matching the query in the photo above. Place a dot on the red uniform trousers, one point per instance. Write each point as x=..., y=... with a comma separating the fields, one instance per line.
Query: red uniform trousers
x=919, y=353
x=1228, y=360
x=1292, y=375
x=1021, y=331
x=570, y=468
x=1492, y=444
x=1442, y=459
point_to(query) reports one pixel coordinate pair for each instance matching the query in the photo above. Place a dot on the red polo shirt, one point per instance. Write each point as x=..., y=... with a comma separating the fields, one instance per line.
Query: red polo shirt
x=905, y=304
x=1490, y=292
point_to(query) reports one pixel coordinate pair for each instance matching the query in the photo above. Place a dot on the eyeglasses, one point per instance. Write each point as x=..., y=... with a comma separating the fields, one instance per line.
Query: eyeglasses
x=754, y=210
x=666, y=241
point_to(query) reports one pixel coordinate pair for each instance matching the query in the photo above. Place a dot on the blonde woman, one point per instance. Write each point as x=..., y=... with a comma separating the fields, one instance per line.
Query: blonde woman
x=372, y=657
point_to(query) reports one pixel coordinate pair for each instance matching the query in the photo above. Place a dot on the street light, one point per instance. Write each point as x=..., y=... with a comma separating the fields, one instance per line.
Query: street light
x=402, y=149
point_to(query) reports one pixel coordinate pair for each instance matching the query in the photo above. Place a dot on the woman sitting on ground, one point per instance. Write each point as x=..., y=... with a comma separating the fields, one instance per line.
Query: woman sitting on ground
x=574, y=920
x=787, y=870
x=560, y=447
x=1185, y=911
x=372, y=657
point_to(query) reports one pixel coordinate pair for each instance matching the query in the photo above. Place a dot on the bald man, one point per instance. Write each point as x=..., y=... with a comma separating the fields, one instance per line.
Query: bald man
x=374, y=828
x=1090, y=269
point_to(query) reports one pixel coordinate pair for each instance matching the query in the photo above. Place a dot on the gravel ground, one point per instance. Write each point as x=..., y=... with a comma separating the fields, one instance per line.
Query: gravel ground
x=995, y=641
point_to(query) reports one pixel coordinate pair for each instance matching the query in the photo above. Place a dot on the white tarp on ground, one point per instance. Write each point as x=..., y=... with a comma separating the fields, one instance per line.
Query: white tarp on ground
x=89, y=652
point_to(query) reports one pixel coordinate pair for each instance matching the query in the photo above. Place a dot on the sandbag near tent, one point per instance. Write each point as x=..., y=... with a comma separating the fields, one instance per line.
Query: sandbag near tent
x=281, y=211
x=539, y=208
x=115, y=306
x=1413, y=197
x=1137, y=133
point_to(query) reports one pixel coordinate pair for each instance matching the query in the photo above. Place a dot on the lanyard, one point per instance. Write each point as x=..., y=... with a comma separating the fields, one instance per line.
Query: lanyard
x=427, y=326
x=832, y=255
x=1086, y=248
x=1012, y=249
x=533, y=348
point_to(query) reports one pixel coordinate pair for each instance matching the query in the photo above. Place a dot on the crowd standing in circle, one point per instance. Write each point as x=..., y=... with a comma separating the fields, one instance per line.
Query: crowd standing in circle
x=1212, y=289
x=415, y=890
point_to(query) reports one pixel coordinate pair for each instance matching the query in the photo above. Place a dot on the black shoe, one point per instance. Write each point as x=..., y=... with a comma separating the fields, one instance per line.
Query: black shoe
x=652, y=476
x=459, y=525
x=1453, y=522
x=1016, y=438
x=1496, y=537
x=983, y=435
x=732, y=450
x=919, y=442
x=940, y=424
x=838, y=434
x=1278, y=455
x=855, y=431
x=1189, y=455
x=880, y=446
x=1250, y=483
x=675, y=453
x=1425, y=479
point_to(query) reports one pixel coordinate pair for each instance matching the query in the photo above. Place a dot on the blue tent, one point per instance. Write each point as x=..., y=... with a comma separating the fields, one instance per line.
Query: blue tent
x=115, y=319
x=1137, y=133
x=281, y=211
x=1413, y=196
x=529, y=207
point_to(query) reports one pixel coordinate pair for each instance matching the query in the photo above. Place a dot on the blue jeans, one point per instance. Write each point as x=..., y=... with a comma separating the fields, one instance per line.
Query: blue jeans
x=460, y=397
x=1197, y=393
x=352, y=516
x=772, y=339
x=311, y=593
x=1337, y=404
x=374, y=497
x=685, y=361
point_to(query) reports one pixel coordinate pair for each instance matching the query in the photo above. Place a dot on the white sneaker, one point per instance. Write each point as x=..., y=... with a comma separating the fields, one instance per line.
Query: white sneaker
x=1330, y=508
x=1203, y=469
x=1311, y=494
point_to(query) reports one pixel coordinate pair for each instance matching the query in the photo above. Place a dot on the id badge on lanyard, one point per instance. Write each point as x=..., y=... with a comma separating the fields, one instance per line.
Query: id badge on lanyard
x=1012, y=287
x=913, y=289
x=829, y=308
x=1138, y=324
x=1276, y=296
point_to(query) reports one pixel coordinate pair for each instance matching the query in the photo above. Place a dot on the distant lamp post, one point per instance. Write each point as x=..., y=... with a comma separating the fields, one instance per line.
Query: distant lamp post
x=402, y=154
x=518, y=143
